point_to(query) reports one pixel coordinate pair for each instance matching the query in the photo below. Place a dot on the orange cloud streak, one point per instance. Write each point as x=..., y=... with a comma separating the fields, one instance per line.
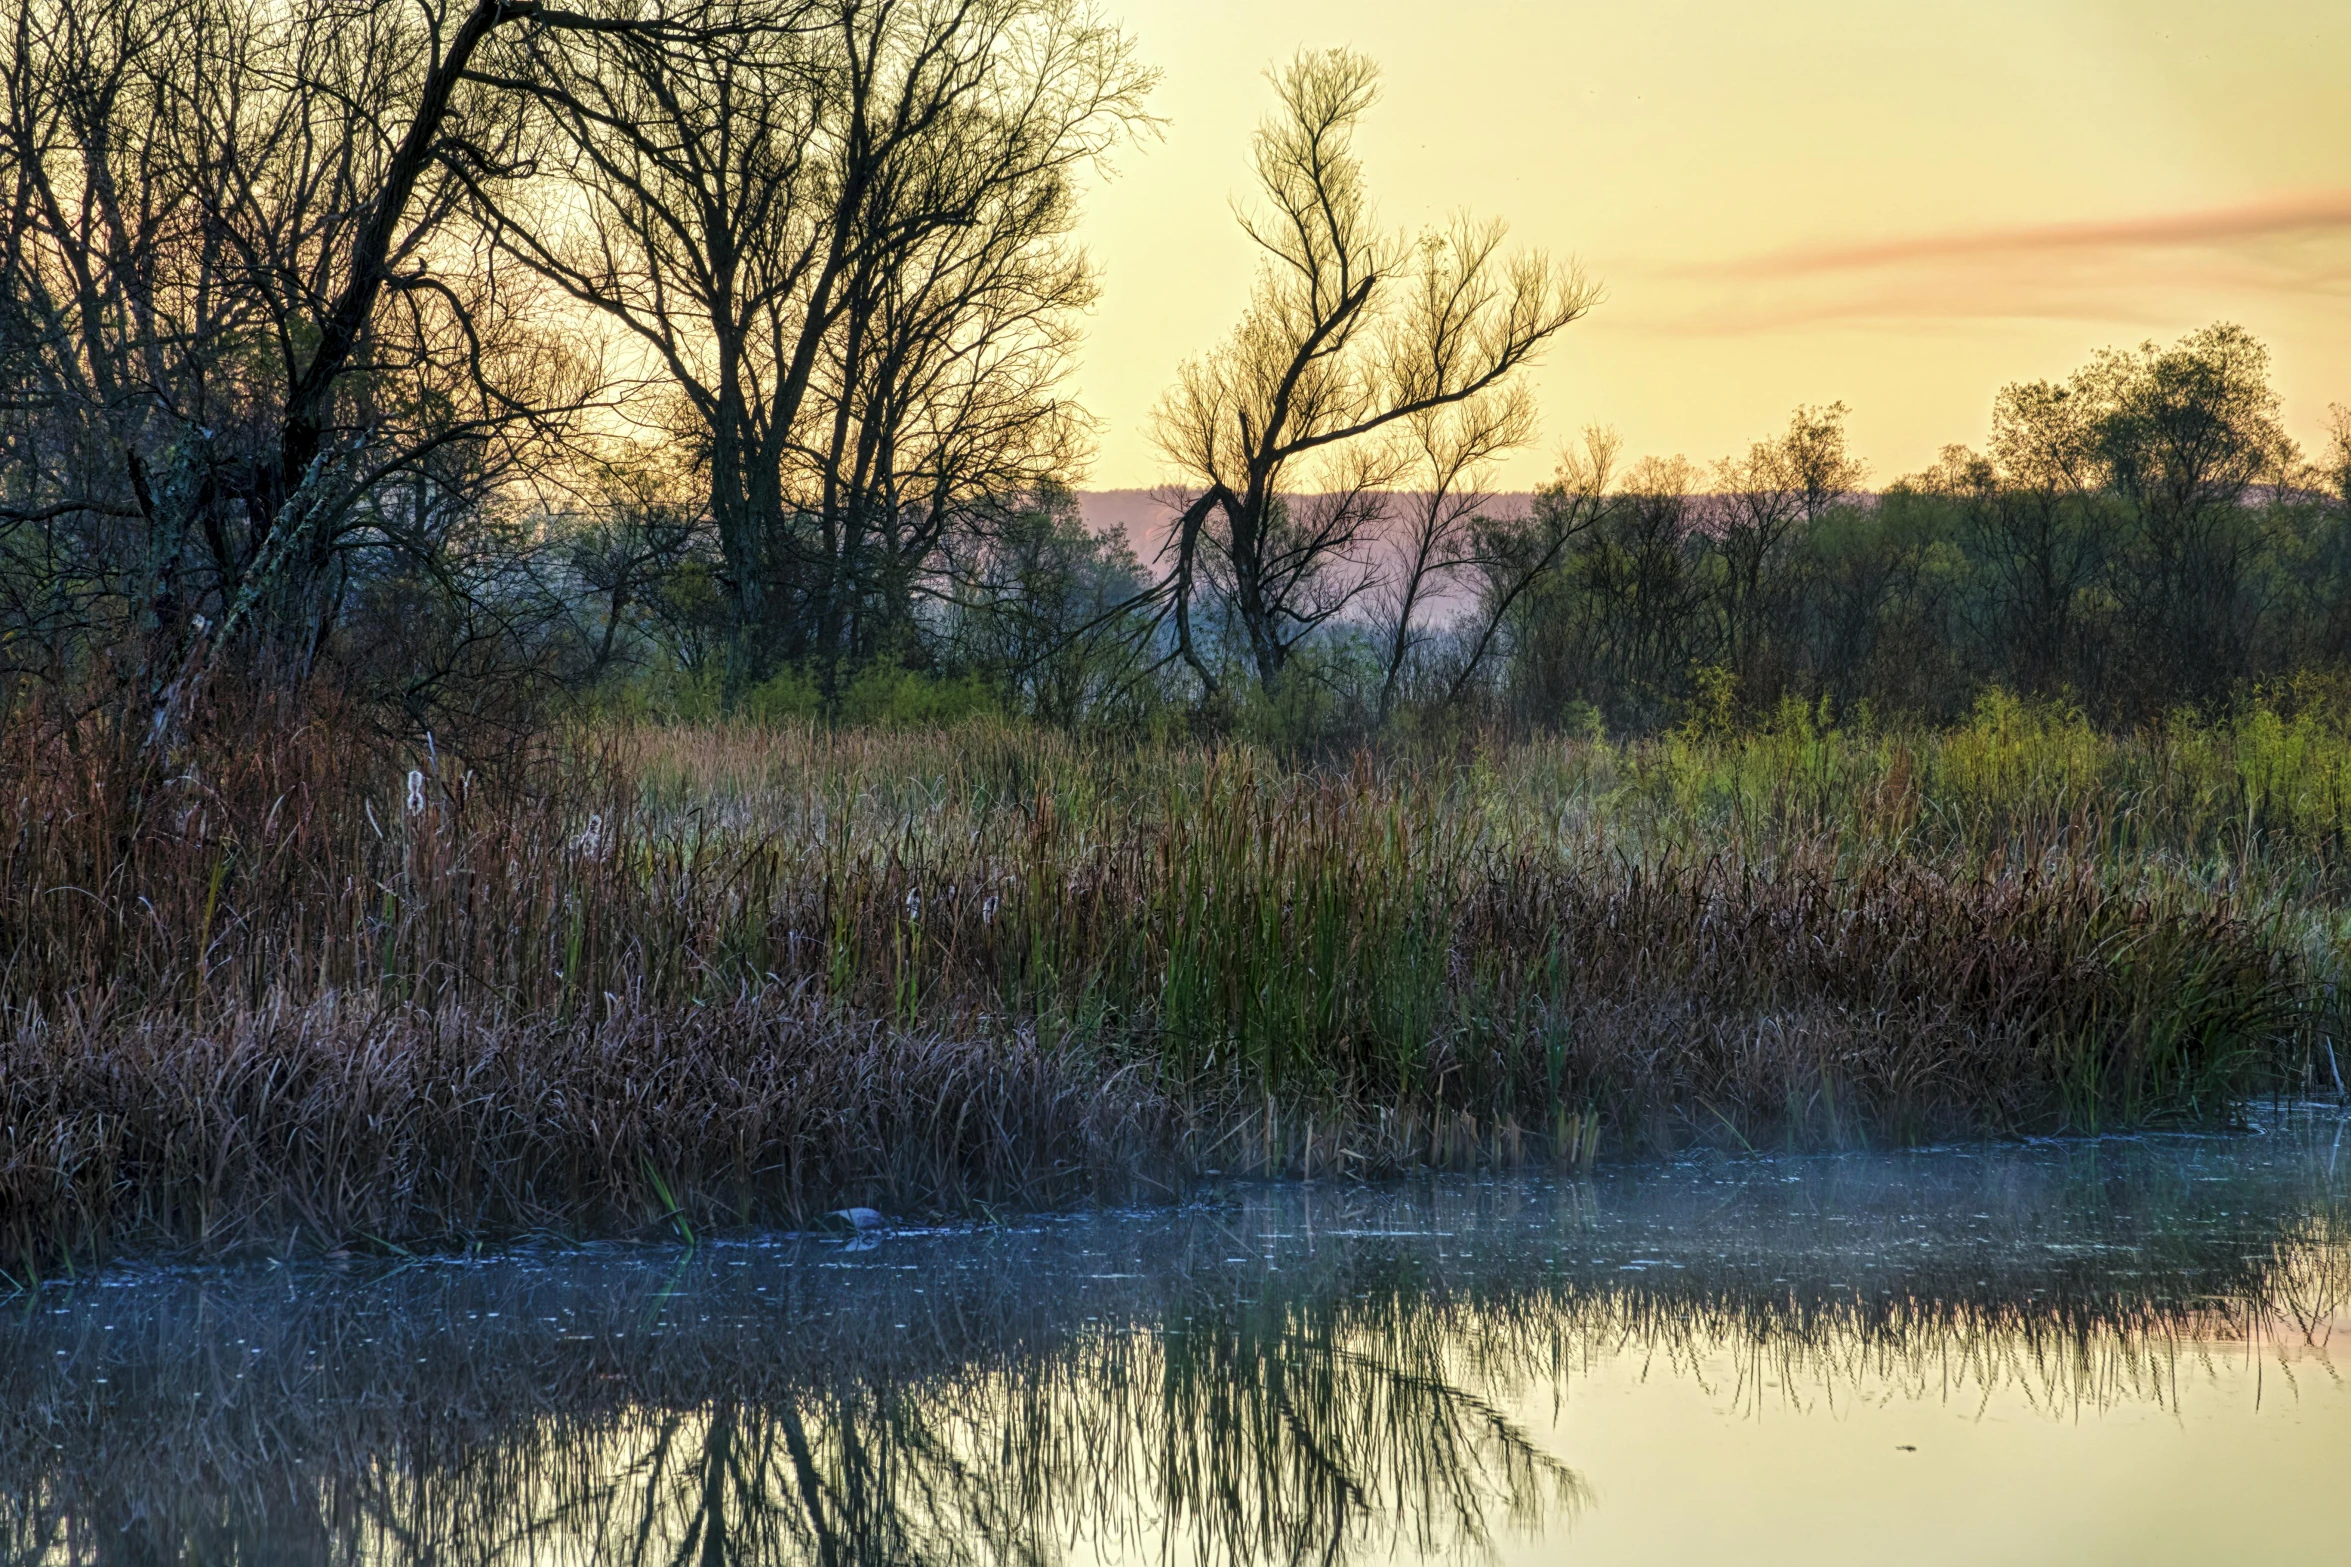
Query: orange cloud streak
x=2313, y=212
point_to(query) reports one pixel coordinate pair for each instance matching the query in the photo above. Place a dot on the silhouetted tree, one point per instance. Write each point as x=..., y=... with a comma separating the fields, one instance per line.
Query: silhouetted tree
x=1435, y=527
x=258, y=375
x=1350, y=334
x=1761, y=500
x=840, y=232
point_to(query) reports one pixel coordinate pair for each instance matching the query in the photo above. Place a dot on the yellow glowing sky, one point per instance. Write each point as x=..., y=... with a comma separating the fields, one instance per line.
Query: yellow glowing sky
x=1900, y=203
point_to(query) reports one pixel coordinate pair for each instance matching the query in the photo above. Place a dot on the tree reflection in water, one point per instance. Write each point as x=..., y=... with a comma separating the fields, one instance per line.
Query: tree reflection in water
x=1297, y=1375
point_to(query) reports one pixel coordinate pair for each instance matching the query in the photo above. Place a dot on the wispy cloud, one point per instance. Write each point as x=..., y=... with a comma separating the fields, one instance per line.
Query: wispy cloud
x=2129, y=270
x=2311, y=213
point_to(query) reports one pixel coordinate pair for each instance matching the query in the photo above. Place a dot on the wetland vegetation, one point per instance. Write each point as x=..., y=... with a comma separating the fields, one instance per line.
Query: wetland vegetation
x=628, y=934
x=692, y=979
x=552, y=684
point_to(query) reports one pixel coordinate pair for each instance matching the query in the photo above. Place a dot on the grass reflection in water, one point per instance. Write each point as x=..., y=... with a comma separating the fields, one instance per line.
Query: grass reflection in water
x=1295, y=1374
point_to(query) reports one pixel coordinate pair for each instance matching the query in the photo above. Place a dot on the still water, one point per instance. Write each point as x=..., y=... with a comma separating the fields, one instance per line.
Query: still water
x=2128, y=1350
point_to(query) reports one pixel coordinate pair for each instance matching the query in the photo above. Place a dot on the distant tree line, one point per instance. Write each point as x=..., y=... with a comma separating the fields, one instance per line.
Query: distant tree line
x=712, y=355
x=2139, y=538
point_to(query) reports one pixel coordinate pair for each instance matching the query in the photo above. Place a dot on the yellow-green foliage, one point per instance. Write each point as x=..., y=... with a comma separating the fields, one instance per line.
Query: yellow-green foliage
x=2259, y=795
x=2252, y=810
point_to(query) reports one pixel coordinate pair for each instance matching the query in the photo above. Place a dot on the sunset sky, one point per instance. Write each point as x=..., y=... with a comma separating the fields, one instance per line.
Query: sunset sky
x=1900, y=203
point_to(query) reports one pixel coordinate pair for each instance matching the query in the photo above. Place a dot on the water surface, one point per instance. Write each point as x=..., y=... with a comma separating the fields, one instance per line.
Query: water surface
x=2127, y=1350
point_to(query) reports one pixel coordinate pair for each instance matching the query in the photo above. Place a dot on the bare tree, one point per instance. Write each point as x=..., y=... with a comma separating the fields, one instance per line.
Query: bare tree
x=1052, y=615
x=386, y=114
x=827, y=231
x=1451, y=449
x=634, y=537
x=1350, y=334
x=939, y=412
x=244, y=337
x=1515, y=557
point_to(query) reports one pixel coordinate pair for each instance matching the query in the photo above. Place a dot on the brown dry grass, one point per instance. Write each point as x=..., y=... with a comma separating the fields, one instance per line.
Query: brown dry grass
x=349, y=1122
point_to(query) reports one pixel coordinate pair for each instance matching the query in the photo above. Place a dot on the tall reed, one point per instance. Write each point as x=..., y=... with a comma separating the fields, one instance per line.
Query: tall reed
x=1507, y=953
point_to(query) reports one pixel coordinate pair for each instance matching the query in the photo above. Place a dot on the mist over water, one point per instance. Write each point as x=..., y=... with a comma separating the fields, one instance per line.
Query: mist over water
x=2061, y=1351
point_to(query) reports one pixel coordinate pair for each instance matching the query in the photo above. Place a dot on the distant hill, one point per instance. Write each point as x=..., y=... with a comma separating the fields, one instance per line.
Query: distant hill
x=1144, y=515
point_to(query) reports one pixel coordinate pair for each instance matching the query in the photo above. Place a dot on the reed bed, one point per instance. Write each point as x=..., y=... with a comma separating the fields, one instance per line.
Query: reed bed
x=294, y=985
x=300, y=1126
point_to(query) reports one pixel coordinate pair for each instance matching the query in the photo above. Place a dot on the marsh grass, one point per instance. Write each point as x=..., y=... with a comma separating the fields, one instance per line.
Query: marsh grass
x=292, y=1127
x=296, y=986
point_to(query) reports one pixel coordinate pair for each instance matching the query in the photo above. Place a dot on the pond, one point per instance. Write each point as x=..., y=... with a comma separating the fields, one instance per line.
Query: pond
x=2128, y=1349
